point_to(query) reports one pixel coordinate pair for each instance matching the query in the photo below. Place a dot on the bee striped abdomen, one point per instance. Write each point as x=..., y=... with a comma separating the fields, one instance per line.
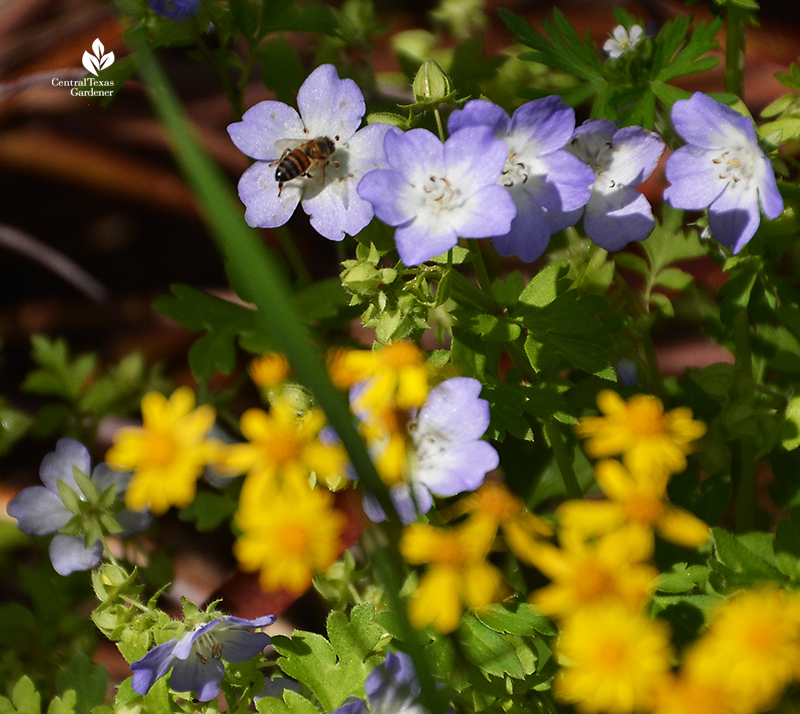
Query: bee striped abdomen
x=299, y=161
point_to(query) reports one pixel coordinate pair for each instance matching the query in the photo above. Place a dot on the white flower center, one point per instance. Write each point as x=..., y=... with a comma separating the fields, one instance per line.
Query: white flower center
x=736, y=165
x=515, y=171
x=206, y=647
x=440, y=195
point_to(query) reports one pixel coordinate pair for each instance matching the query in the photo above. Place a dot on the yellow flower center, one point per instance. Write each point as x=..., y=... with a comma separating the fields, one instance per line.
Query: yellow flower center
x=761, y=637
x=611, y=656
x=450, y=552
x=283, y=446
x=160, y=449
x=593, y=583
x=644, y=509
x=645, y=417
x=295, y=539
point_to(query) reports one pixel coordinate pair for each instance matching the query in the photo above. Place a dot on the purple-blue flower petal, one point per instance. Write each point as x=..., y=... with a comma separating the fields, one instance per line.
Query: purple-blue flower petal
x=693, y=177
x=352, y=705
x=415, y=154
x=418, y=241
x=530, y=231
x=566, y=183
x=154, y=665
x=488, y=212
x=264, y=124
x=548, y=122
x=614, y=219
x=708, y=124
x=386, y=191
x=241, y=645
x=57, y=466
x=330, y=106
x=202, y=678
x=473, y=158
x=258, y=190
x=480, y=112
x=69, y=554
x=734, y=217
x=635, y=154
x=38, y=511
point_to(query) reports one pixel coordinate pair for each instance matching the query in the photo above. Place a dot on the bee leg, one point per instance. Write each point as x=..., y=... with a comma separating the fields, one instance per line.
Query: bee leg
x=280, y=188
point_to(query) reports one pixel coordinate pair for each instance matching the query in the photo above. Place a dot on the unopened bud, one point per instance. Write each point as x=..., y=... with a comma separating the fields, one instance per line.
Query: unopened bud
x=431, y=85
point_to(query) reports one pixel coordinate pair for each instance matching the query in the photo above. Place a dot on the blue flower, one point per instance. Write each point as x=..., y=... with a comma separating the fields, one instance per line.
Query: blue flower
x=39, y=510
x=723, y=168
x=195, y=658
x=617, y=213
x=449, y=455
x=392, y=688
x=175, y=10
x=329, y=108
x=547, y=183
x=436, y=192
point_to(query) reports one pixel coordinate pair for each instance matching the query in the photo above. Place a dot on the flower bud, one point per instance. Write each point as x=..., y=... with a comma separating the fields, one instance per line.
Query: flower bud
x=431, y=85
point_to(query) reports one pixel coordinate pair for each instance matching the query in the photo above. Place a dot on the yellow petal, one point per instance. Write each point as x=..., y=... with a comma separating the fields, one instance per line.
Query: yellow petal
x=683, y=528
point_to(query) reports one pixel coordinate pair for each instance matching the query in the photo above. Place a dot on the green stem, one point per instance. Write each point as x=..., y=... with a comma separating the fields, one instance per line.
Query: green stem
x=747, y=490
x=480, y=267
x=439, y=124
x=589, y=257
x=289, y=248
x=571, y=484
x=735, y=30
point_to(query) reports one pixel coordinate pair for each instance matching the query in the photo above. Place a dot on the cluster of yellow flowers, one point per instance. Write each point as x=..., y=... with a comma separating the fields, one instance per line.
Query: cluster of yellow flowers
x=289, y=527
x=614, y=657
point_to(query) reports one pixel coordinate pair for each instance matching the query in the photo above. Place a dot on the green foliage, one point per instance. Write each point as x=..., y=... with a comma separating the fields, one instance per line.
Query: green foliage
x=626, y=92
x=333, y=668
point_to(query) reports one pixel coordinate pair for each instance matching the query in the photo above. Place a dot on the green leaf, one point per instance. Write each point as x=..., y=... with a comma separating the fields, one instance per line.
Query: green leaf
x=88, y=679
x=223, y=321
x=58, y=375
x=737, y=565
x=489, y=650
x=687, y=59
x=519, y=618
x=209, y=510
x=282, y=68
x=674, y=279
x=787, y=545
x=67, y=704
x=546, y=285
x=790, y=430
x=337, y=669
x=292, y=703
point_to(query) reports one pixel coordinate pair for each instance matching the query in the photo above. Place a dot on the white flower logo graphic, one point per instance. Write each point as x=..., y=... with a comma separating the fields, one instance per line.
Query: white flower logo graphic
x=98, y=60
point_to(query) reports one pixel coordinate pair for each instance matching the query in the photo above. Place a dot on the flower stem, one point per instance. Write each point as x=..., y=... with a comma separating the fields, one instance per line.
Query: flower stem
x=439, y=124
x=747, y=491
x=735, y=29
x=289, y=248
x=480, y=267
x=563, y=460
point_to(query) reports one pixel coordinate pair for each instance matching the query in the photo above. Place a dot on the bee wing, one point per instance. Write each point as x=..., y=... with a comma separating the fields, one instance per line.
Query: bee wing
x=284, y=145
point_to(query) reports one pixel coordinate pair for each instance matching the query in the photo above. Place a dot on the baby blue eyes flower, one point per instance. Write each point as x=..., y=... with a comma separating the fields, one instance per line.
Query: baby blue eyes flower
x=195, y=658
x=722, y=168
x=435, y=193
x=392, y=688
x=449, y=455
x=547, y=183
x=39, y=510
x=325, y=180
x=175, y=10
x=617, y=213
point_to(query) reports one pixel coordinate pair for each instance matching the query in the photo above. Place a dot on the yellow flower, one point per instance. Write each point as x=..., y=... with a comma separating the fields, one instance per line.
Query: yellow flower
x=457, y=575
x=648, y=439
x=269, y=370
x=289, y=532
x=284, y=443
x=752, y=647
x=167, y=454
x=636, y=504
x=493, y=506
x=582, y=574
x=612, y=660
x=683, y=694
x=392, y=376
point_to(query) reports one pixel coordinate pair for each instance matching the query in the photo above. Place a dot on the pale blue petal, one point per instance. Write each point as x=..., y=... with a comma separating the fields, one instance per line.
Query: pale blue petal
x=338, y=209
x=635, y=155
x=566, y=185
x=420, y=240
x=262, y=126
x=473, y=158
x=192, y=675
x=68, y=554
x=734, y=217
x=38, y=511
x=613, y=220
x=241, y=645
x=547, y=122
x=258, y=190
x=416, y=154
x=488, y=212
x=388, y=192
x=768, y=193
x=154, y=665
x=530, y=230
x=330, y=106
x=479, y=112
x=694, y=178
x=57, y=465
x=708, y=124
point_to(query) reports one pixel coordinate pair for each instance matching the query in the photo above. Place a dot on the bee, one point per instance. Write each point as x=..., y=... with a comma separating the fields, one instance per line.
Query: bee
x=302, y=158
